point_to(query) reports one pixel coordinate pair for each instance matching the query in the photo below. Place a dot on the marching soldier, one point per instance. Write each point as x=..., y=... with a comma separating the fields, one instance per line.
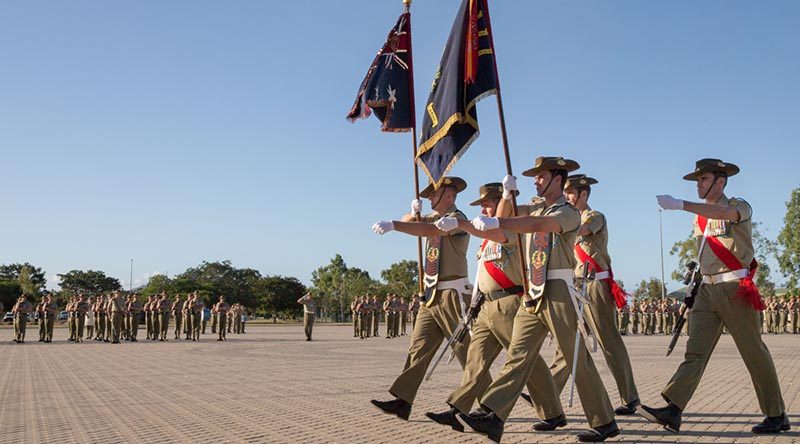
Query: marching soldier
x=603, y=293
x=221, y=311
x=203, y=315
x=727, y=298
x=20, y=312
x=363, y=308
x=499, y=279
x=309, y=313
x=795, y=308
x=625, y=317
x=148, y=317
x=446, y=284
x=551, y=226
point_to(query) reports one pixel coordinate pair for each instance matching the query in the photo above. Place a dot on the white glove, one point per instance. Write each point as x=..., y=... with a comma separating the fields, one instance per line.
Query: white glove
x=383, y=226
x=485, y=223
x=416, y=207
x=509, y=186
x=668, y=202
x=447, y=223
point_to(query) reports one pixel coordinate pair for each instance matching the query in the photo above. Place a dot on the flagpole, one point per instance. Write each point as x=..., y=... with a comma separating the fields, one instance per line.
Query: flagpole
x=661, y=236
x=407, y=4
x=506, y=153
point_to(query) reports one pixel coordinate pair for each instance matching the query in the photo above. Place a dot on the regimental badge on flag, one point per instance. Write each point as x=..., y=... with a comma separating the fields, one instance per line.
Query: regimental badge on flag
x=465, y=75
x=386, y=89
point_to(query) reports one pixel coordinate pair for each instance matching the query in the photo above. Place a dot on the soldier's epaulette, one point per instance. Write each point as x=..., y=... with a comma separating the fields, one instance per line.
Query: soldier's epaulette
x=535, y=200
x=591, y=215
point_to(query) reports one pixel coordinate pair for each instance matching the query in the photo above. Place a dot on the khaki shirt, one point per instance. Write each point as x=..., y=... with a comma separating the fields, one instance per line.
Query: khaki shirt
x=596, y=243
x=737, y=237
x=51, y=308
x=505, y=257
x=222, y=307
x=453, y=254
x=135, y=307
x=562, y=254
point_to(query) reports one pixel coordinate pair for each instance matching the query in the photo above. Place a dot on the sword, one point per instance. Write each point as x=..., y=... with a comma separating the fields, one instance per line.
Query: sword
x=463, y=326
x=581, y=331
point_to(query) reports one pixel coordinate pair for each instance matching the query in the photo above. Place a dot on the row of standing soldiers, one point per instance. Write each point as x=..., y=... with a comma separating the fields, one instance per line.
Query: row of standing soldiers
x=648, y=317
x=111, y=318
x=781, y=316
x=398, y=313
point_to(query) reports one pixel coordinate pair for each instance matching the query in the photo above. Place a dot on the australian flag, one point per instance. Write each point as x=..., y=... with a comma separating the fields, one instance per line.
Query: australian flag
x=386, y=89
x=466, y=74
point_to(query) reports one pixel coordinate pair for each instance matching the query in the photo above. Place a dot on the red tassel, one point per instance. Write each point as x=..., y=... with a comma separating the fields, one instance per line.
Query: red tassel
x=620, y=298
x=748, y=289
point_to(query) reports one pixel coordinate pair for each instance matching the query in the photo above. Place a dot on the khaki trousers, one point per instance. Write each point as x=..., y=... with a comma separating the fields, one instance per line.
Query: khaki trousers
x=134, y=319
x=491, y=333
x=42, y=328
x=49, y=323
x=376, y=319
x=355, y=325
x=556, y=315
x=600, y=313
x=116, y=325
x=20, y=323
x=308, y=324
x=163, y=324
x=178, y=325
x=100, y=320
x=222, y=327
x=80, y=321
x=717, y=306
x=434, y=324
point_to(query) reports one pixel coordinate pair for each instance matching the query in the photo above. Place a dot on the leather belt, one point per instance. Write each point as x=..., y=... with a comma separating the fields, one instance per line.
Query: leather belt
x=729, y=276
x=500, y=294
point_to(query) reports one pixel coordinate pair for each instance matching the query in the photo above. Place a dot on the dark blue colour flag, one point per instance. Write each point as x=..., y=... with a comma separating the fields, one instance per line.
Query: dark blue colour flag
x=386, y=89
x=466, y=74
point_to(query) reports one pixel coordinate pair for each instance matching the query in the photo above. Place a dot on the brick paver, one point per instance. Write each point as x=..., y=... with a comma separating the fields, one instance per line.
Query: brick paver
x=270, y=385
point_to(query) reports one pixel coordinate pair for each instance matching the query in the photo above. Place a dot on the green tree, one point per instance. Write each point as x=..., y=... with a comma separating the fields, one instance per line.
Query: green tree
x=789, y=241
x=219, y=279
x=157, y=284
x=336, y=285
x=31, y=279
x=686, y=250
x=89, y=282
x=277, y=295
x=649, y=290
x=9, y=292
x=401, y=278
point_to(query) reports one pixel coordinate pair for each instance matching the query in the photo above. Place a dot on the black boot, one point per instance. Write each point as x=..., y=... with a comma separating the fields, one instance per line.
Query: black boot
x=394, y=407
x=526, y=397
x=599, y=434
x=627, y=409
x=550, y=424
x=447, y=418
x=485, y=422
x=669, y=416
x=772, y=424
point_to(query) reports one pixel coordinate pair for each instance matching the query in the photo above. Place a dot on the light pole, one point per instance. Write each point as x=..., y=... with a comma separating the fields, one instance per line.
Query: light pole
x=661, y=236
x=130, y=282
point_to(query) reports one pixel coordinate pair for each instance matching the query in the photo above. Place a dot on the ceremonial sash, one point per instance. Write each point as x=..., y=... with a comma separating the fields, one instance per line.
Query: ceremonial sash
x=747, y=288
x=620, y=298
x=495, y=272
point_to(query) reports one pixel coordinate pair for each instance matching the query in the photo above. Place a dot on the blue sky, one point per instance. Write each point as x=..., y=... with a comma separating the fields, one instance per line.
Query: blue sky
x=181, y=131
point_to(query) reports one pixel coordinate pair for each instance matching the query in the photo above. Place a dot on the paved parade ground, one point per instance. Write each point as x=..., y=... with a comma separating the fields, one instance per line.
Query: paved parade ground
x=270, y=385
